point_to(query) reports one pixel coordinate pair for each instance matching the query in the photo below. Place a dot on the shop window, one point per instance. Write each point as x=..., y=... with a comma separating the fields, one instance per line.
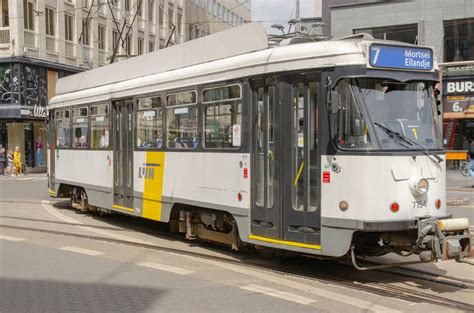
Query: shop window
x=63, y=129
x=182, y=120
x=6, y=83
x=80, y=127
x=100, y=126
x=222, y=117
x=459, y=40
x=149, y=123
x=403, y=33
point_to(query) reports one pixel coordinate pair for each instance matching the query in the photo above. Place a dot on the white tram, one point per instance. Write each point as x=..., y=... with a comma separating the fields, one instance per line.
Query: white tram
x=325, y=148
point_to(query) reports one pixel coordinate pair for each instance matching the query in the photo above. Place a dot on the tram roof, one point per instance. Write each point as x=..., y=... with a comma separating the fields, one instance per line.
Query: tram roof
x=235, y=53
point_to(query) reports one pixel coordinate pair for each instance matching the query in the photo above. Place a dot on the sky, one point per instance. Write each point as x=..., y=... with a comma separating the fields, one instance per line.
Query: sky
x=279, y=11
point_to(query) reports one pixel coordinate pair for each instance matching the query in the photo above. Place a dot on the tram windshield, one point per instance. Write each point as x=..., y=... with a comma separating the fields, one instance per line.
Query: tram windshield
x=407, y=108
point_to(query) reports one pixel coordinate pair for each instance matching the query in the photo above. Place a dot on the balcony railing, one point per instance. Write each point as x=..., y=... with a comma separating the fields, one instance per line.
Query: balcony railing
x=30, y=39
x=70, y=49
x=4, y=35
x=51, y=44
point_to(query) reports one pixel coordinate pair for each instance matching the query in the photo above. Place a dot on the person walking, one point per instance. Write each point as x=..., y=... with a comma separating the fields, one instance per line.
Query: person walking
x=3, y=159
x=470, y=166
x=17, y=161
x=10, y=162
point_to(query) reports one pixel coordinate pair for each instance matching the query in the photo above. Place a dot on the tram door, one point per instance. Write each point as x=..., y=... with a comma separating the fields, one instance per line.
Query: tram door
x=266, y=208
x=123, y=154
x=286, y=173
x=301, y=191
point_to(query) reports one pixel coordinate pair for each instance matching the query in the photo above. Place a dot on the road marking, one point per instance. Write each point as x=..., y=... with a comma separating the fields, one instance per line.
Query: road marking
x=278, y=294
x=102, y=232
x=81, y=250
x=321, y=292
x=162, y=267
x=11, y=238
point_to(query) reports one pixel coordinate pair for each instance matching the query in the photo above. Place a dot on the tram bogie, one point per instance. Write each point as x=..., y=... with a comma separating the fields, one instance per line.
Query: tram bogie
x=324, y=148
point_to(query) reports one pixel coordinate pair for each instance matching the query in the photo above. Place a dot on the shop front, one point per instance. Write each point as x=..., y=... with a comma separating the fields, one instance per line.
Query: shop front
x=26, y=85
x=458, y=105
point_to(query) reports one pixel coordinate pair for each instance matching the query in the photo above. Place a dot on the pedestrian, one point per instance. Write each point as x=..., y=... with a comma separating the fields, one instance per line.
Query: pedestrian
x=470, y=166
x=10, y=162
x=3, y=159
x=17, y=161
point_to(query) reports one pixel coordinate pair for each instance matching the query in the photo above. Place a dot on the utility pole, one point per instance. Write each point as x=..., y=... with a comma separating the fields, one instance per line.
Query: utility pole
x=298, y=17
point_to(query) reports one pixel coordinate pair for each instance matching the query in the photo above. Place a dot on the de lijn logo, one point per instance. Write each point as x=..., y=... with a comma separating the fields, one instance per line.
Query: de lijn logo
x=147, y=171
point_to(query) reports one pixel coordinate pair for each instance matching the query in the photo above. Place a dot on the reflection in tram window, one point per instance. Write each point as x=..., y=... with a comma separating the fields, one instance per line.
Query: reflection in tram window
x=313, y=147
x=298, y=147
x=80, y=126
x=271, y=146
x=63, y=129
x=100, y=126
x=149, y=123
x=353, y=129
x=222, y=117
x=182, y=120
x=260, y=162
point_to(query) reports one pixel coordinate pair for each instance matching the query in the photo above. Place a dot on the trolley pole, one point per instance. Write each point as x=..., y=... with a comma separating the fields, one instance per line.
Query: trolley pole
x=298, y=17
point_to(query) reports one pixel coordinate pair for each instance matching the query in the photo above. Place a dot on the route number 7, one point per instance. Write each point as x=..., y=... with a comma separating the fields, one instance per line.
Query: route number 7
x=376, y=55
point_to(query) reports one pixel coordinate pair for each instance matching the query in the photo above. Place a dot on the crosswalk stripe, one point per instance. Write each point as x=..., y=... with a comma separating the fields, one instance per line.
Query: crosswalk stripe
x=278, y=294
x=81, y=250
x=11, y=238
x=166, y=268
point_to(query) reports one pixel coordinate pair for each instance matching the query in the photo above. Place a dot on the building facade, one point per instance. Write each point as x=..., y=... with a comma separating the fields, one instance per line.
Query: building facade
x=447, y=26
x=206, y=17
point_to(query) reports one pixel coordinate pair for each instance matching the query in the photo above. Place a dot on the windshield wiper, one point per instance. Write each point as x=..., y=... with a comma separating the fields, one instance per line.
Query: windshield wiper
x=394, y=134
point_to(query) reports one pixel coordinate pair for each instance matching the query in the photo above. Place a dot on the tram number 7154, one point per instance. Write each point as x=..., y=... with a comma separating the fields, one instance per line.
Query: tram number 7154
x=419, y=204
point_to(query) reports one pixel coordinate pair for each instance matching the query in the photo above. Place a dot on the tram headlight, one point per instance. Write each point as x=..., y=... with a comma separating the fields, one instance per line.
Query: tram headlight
x=419, y=186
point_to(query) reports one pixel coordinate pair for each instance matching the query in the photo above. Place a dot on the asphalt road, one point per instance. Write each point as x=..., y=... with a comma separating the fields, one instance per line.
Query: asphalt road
x=50, y=262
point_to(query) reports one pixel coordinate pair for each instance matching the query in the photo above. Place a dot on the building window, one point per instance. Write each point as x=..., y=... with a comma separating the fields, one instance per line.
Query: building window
x=161, y=14
x=162, y=43
x=151, y=46
x=127, y=5
x=69, y=27
x=149, y=123
x=170, y=16
x=86, y=32
x=140, y=46
x=182, y=120
x=459, y=40
x=115, y=40
x=128, y=45
x=49, y=18
x=28, y=14
x=222, y=115
x=140, y=8
x=100, y=126
x=180, y=21
x=403, y=33
x=101, y=37
x=151, y=10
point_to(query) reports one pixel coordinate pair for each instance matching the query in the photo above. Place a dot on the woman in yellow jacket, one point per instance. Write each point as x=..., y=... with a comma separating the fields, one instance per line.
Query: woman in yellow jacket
x=17, y=161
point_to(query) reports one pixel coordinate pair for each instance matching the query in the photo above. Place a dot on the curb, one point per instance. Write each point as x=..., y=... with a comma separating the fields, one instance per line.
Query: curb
x=457, y=202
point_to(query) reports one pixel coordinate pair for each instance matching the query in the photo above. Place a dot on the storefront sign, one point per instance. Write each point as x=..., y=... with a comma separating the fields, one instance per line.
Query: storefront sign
x=459, y=87
x=395, y=57
x=39, y=111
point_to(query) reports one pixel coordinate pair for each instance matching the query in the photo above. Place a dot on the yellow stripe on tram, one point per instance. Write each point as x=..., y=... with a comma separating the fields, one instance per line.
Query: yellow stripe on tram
x=286, y=243
x=52, y=192
x=119, y=207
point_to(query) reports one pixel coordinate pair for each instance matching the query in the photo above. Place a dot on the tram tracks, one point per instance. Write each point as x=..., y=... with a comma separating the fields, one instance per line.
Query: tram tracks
x=342, y=276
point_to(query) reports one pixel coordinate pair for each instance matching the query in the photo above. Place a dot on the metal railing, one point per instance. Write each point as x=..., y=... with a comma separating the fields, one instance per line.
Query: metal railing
x=70, y=49
x=50, y=44
x=30, y=39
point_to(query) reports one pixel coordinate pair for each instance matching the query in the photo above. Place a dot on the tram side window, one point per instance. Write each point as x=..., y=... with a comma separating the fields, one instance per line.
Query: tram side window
x=100, y=126
x=63, y=129
x=80, y=127
x=222, y=117
x=149, y=123
x=182, y=120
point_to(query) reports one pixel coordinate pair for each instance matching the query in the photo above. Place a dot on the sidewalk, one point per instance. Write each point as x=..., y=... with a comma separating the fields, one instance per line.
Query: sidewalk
x=460, y=195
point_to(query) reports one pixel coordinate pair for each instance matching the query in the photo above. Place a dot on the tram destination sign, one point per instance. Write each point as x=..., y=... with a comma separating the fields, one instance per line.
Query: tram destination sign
x=396, y=57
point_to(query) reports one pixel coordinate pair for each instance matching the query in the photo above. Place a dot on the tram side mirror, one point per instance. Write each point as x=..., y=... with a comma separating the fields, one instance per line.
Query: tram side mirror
x=335, y=101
